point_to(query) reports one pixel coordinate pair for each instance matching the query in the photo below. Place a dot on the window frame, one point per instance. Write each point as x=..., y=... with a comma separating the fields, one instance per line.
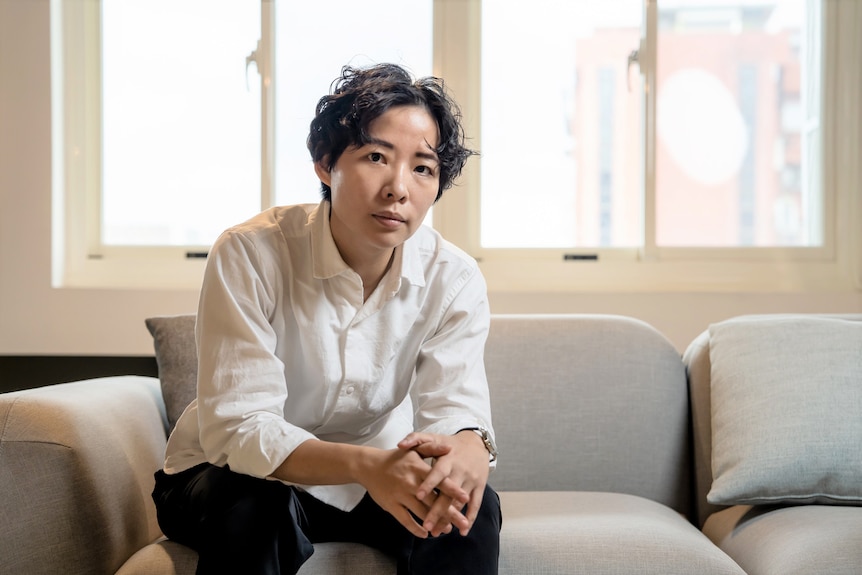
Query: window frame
x=652, y=268
x=79, y=260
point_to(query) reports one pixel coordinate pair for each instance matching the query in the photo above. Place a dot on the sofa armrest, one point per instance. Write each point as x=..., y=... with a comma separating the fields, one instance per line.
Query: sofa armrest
x=76, y=472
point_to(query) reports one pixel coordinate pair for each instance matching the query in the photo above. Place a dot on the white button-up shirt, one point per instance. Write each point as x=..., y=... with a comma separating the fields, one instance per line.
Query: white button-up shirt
x=288, y=350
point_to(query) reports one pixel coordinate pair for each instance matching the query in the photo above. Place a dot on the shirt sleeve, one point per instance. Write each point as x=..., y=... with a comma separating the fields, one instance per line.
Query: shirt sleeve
x=241, y=384
x=450, y=391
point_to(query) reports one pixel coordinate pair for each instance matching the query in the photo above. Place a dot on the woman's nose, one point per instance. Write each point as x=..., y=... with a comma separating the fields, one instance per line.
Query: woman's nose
x=396, y=187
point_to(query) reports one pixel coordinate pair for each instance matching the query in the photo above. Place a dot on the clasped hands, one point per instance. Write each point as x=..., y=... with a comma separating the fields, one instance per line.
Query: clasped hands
x=432, y=499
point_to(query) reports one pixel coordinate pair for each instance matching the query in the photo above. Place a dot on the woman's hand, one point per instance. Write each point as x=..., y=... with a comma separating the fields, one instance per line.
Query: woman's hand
x=459, y=460
x=424, y=498
x=393, y=477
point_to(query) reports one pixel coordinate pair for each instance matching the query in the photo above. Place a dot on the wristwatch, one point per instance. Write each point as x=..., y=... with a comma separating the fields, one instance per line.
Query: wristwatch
x=486, y=439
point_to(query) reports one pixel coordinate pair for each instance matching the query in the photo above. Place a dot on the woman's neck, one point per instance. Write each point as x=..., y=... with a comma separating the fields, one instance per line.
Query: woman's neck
x=372, y=275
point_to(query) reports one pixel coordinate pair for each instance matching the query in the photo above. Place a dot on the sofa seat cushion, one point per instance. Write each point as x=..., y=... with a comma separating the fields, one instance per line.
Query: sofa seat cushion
x=570, y=533
x=544, y=533
x=169, y=558
x=792, y=540
x=163, y=557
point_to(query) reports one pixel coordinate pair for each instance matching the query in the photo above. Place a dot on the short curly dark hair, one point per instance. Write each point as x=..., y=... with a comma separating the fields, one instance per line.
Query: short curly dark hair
x=361, y=95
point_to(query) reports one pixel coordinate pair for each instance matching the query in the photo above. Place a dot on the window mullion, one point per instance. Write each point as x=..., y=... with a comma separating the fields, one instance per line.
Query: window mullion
x=265, y=60
x=818, y=204
x=842, y=133
x=648, y=63
x=457, y=45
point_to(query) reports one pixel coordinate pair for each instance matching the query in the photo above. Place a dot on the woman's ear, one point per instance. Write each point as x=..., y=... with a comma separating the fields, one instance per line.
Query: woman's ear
x=321, y=168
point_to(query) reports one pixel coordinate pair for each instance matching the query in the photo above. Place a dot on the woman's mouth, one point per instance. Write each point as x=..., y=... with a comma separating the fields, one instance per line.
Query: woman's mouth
x=389, y=220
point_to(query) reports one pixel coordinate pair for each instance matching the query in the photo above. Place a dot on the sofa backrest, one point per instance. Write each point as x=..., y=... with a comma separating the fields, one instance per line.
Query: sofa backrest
x=580, y=402
x=589, y=403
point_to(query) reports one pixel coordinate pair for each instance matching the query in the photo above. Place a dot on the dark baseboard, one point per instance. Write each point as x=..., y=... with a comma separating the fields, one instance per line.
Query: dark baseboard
x=28, y=371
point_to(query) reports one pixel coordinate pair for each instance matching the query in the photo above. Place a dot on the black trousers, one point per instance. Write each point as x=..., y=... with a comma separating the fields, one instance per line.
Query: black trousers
x=242, y=524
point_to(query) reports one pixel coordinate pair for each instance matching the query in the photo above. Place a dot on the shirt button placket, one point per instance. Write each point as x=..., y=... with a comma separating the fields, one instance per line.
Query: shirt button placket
x=352, y=360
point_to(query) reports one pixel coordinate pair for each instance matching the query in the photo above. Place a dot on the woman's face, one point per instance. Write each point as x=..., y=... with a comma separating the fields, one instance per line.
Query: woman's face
x=382, y=190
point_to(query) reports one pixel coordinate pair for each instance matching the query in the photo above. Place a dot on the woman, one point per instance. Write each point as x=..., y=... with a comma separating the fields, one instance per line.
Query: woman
x=341, y=385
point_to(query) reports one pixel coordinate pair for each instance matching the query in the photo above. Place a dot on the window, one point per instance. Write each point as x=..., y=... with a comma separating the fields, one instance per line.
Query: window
x=737, y=116
x=708, y=171
x=180, y=125
x=565, y=139
x=167, y=143
x=626, y=145
x=728, y=116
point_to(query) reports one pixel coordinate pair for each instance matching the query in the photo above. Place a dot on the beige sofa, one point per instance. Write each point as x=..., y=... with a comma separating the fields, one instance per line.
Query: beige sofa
x=603, y=467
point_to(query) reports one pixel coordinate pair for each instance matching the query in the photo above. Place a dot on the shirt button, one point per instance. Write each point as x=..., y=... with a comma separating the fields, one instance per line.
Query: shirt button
x=349, y=390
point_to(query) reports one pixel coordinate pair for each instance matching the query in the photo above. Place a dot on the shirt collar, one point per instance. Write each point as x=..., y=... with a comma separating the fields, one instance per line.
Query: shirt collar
x=327, y=261
x=409, y=260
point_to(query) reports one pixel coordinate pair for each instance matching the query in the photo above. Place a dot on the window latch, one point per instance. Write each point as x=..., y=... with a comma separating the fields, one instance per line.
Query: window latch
x=632, y=59
x=251, y=58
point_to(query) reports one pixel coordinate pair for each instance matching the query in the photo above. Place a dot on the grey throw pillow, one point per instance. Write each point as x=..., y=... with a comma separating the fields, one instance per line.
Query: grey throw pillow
x=177, y=358
x=786, y=410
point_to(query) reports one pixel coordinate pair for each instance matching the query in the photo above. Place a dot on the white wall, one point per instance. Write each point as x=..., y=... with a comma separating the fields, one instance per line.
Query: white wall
x=38, y=319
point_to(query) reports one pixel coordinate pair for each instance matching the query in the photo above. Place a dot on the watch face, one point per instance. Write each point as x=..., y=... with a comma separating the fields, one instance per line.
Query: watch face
x=489, y=443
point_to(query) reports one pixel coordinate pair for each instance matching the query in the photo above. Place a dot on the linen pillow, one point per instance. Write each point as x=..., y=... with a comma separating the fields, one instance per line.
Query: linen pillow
x=786, y=397
x=177, y=359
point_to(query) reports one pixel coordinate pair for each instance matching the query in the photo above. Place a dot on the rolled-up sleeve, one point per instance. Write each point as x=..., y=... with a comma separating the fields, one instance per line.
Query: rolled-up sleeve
x=450, y=392
x=241, y=383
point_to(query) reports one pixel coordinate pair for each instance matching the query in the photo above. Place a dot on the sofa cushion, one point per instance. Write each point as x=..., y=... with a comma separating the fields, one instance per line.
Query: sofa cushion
x=786, y=394
x=792, y=540
x=177, y=358
x=170, y=558
x=572, y=532
x=544, y=533
x=589, y=403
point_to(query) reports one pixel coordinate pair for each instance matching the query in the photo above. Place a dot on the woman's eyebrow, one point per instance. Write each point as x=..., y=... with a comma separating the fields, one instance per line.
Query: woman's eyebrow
x=430, y=155
x=382, y=143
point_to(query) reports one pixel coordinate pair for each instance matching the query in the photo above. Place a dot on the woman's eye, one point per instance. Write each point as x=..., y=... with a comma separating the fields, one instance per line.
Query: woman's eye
x=424, y=170
x=375, y=156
